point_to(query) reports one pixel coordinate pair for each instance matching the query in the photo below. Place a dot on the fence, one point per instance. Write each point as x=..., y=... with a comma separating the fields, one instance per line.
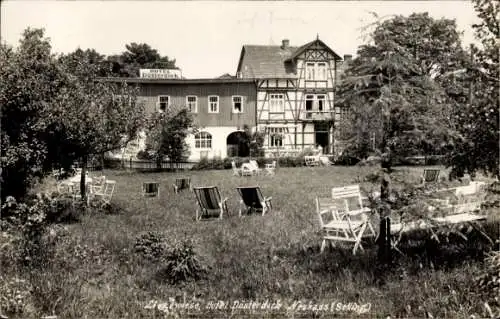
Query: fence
x=142, y=165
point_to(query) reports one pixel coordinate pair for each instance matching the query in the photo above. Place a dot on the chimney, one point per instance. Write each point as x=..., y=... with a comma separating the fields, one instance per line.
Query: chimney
x=347, y=57
x=285, y=43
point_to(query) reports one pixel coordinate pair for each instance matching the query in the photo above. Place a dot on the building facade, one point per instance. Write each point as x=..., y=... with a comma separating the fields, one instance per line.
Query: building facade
x=295, y=94
x=221, y=108
x=285, y=92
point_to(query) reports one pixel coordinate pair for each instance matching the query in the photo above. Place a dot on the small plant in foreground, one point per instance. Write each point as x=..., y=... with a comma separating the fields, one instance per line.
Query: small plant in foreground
x=15, y=296
x=151, y=245
x=489, y=282
x=182, y=263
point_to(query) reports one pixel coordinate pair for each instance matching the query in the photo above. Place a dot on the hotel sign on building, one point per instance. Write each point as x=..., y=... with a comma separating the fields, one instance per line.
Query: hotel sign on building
x=160, y=73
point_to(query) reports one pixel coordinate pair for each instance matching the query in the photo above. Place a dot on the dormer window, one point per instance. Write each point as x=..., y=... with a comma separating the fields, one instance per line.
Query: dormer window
x=316, y=71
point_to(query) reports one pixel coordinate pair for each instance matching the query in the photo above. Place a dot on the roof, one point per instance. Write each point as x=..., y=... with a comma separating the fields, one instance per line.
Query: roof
x=175, y=81
x=266, y=61
x=273, y=61
x=317, y=41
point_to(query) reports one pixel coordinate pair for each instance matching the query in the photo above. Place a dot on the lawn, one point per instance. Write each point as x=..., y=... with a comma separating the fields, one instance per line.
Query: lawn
x=97, y=272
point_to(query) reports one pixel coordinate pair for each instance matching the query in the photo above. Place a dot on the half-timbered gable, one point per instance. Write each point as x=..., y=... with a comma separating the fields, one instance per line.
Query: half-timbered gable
x=295, y=94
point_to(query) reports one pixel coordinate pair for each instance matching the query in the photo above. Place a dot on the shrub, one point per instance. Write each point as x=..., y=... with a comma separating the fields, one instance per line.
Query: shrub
x=182, y=263
x=15, y=297
x=151, y=245
x=488, y=283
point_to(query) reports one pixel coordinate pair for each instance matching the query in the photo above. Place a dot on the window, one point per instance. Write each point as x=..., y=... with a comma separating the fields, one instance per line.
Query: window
x=237, y=104
x=275, y=135
x=163, y=101
x=316, y=71
x=203, y=140
x=321, y=71
x=310, y=71
x=192, y=103
x=321, y=102
x=276, y=103
x=315, y=103
x=309, y=105
x=213, y=104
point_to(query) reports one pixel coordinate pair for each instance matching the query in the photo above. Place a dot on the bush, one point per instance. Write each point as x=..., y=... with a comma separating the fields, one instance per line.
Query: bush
x=15, y=297
x=182, y=263
x=151, y=245
x=488, y=283
x=206, y=164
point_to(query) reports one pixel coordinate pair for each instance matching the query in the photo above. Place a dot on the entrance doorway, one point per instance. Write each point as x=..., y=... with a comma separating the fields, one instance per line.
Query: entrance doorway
x=237, y=145
x=322, y=136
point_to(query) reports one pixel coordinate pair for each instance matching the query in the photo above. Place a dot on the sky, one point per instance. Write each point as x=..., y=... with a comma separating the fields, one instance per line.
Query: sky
x=205, y=37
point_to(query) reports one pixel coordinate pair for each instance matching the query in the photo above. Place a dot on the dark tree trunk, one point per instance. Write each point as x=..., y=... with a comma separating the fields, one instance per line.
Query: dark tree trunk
x=83, y=189
x=384, y=240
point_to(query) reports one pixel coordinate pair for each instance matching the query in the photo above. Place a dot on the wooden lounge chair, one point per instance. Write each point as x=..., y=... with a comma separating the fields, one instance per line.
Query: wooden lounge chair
x=151, y=189
x=182, y=183
x=252, y=200
x=430, y=176
x=210, y=204
x=340, y=227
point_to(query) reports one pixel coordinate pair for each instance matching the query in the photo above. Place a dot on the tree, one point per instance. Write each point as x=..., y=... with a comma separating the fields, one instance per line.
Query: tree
x=391, y=88
x=94, y=117
x=91, y=57
x=138, y=56
x=477, y=146
x=31, y=82
x=166, y=135
x=430, y=48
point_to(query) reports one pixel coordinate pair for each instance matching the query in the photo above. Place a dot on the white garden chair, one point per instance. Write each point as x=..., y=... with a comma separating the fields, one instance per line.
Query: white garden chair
x=107, y=192
x=271, y=168
x=340, y=227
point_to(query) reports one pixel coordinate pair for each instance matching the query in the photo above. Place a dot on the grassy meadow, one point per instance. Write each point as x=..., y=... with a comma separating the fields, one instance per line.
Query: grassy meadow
x=97, y=272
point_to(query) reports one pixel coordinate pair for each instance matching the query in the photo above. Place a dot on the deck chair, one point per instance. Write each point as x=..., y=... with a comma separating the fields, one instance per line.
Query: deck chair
x=182, y=183
x=107, y=193
x=253, y=201
x=339, y=227
x=236, y=171
x=209, y=202
x=151, y=189
x=430, y=176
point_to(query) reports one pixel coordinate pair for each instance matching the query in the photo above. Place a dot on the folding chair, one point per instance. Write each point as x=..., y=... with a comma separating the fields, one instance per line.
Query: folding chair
x=311, y=160
x=430, y=176
x=151, y=189
x=182, y=183
x=107, y=192
x=209, y=202
x=338, y=227
x=253, y=200
x=271, y=168
x=255, y=166
x=97, y=185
